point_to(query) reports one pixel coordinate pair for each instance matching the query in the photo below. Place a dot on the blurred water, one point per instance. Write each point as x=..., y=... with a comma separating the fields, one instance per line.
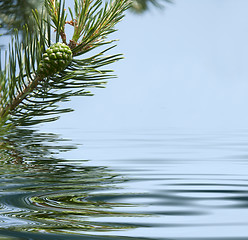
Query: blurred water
x=140, y=184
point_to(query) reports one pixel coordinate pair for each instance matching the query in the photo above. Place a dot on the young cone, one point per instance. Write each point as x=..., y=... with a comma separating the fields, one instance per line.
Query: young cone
x=55, y=59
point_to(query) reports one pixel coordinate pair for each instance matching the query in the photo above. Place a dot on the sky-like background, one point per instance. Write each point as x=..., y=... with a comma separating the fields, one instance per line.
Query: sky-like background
x=185, y=66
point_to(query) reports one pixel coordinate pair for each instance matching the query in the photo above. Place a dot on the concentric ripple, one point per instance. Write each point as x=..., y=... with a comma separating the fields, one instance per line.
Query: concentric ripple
x=153, y=185
x=59, y=199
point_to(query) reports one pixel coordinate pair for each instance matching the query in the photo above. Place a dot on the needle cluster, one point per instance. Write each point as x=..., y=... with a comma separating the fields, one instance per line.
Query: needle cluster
x=28, y=95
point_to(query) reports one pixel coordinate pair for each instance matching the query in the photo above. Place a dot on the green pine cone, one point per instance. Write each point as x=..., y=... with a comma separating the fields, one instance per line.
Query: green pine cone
x=55, y=59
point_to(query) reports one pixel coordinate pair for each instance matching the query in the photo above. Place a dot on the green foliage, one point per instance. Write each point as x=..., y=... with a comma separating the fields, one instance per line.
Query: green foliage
x=140, y=6
x=16, y=13
x=28, y=95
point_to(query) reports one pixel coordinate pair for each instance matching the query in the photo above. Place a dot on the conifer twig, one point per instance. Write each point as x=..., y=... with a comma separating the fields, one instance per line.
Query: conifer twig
x=38, y=73
x=21, y=96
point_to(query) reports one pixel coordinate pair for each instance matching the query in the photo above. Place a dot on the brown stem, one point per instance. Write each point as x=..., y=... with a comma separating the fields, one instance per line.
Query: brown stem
x=63, y=37
x=72, y=44
x=22, y=95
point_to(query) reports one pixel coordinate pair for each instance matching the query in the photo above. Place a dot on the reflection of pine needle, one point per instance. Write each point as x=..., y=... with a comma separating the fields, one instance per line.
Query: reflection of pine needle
x=8, y=153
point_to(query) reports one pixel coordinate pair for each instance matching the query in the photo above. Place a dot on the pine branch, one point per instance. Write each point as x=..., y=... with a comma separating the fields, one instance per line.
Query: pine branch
x=21, y=96
x=39, y=74
x=140, y=6
x=14, y=14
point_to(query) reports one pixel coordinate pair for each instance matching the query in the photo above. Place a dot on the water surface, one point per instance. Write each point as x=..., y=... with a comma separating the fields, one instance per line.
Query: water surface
x=143, y=184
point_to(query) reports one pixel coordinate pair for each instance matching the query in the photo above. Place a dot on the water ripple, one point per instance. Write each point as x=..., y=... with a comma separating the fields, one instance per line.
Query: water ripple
x=136, y=186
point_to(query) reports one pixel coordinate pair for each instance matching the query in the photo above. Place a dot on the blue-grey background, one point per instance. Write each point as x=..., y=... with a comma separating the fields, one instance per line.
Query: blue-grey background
x=184, y=66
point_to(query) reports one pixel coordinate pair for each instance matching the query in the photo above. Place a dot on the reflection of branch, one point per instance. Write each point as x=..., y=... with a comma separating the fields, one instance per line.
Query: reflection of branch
x=20, y=145
x=9, y=153
x=62, y=195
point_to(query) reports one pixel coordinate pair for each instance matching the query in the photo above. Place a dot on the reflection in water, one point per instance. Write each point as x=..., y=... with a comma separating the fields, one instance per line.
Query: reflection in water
x=137, y=185
x=42, y=193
